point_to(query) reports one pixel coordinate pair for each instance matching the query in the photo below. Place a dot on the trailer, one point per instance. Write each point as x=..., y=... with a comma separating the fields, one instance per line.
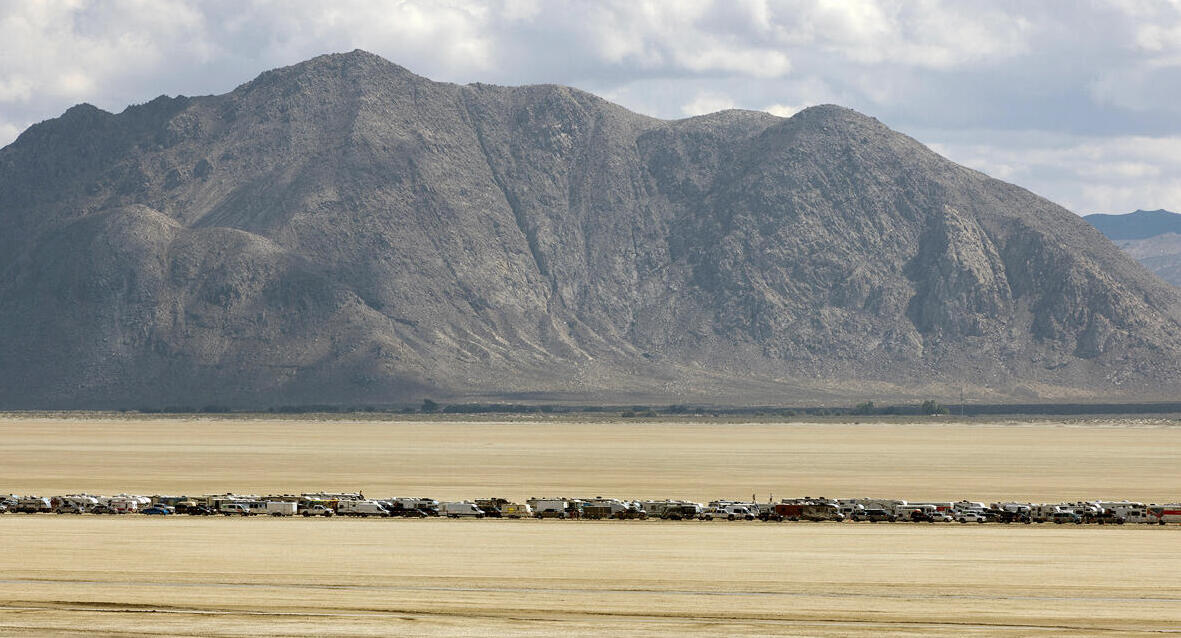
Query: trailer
x=516, y=510
x=124, y=504
x=280, y=508
x=32, y=505
x=73, y=503
x=1162, y=514
x=549, y=507
x=1130, y=511
x=805, y=509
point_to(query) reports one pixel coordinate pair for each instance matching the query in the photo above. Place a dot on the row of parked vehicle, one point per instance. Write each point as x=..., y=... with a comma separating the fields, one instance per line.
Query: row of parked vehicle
x=789, y=509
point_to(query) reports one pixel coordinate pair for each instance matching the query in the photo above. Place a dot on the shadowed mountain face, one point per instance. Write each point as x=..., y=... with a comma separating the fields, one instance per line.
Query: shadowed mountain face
x=1152, y=237
x=343, y=231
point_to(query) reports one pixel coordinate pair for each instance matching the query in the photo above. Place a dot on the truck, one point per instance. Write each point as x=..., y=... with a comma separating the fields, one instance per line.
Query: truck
x=316, y=509
x=874, y=515
x=727, y=510
x=492, y=506
x=364, y=508
x=459, y=509
x=412, y=506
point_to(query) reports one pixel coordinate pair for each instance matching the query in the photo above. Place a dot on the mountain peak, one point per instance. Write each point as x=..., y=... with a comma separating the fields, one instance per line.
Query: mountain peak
x=357, y=66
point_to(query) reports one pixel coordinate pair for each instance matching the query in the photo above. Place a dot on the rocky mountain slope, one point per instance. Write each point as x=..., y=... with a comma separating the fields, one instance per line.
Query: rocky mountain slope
x=344, y=231
x=1152, y=237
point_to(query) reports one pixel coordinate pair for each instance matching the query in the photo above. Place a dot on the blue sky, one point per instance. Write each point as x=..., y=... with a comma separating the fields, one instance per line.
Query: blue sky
x=1078, y=101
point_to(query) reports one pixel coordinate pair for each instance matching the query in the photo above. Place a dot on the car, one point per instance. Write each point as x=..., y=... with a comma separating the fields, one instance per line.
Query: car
x=874, y=515
x=317, y=510
x=1063, y=517
x=70, y=508
x=157, y=510
x=3, y=508
x=103, y=509
x=971, y=516
x=232, y=509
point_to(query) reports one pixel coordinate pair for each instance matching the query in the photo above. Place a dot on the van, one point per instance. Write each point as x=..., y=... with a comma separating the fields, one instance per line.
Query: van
x=460, y=509
x=515, y=510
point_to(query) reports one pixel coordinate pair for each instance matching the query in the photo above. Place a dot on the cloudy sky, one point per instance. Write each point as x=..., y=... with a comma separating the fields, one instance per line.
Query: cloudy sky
x=1078, y=101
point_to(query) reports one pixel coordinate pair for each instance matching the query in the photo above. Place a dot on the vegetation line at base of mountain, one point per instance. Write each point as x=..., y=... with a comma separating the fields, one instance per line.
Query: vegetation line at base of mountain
x=430, y=410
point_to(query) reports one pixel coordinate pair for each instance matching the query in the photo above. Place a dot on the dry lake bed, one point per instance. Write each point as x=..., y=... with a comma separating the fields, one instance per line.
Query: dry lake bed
x=95, y=575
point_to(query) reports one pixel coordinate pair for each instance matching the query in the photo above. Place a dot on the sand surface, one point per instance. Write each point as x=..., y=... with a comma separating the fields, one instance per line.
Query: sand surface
x=264, y=577
x=95, y=575
x=1038, y=462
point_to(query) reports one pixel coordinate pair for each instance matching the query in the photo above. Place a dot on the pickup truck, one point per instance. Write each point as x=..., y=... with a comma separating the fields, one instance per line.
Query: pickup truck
x=873, y=516
x=971, y=516
x=728, y=512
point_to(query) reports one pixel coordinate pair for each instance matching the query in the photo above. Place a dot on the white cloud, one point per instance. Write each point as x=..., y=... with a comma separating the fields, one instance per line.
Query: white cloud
x=1086, y=174
x=785, y=110
x=1081, y=102
x=707, y=103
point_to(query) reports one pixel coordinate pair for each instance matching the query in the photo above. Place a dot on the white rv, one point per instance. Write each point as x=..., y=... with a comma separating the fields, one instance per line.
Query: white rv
x=361, y=508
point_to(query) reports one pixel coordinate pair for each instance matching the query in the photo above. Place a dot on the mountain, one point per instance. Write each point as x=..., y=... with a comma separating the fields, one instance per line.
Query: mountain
x=1141, y=224
x=344, y=231
x=1151, y=237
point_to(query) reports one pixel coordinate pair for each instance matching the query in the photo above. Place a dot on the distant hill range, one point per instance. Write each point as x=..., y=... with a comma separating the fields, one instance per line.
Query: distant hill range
x=343, y=231
x=1152, y=237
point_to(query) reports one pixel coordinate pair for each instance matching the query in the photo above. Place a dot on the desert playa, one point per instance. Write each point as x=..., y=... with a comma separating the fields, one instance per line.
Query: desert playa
x=132, y=576
x=267, y=577
x=930, y=460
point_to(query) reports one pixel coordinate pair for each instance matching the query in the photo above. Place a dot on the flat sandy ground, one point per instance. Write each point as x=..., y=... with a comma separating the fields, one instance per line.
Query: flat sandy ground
x=264, y=577
x=93, y=575
x=933, y=461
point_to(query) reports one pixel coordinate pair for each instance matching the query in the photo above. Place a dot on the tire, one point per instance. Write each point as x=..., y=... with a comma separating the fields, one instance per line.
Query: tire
x=729, y=517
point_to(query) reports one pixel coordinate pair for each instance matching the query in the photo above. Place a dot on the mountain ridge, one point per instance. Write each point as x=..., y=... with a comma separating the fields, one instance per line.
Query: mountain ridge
x=344, y=231
x=1151, y=237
